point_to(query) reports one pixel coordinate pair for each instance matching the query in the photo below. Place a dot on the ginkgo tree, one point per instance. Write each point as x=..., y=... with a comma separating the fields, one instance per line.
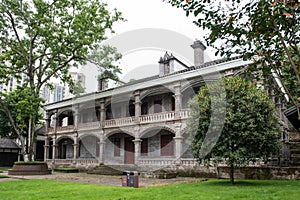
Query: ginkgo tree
x=265, y=31
x=42, y=39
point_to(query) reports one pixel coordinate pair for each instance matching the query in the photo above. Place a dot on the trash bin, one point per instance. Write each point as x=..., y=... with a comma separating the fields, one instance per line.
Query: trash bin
x=125, y=178
x=133, y=179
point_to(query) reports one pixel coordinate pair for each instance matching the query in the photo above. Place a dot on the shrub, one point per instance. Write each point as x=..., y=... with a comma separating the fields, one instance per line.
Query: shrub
x=30, y=163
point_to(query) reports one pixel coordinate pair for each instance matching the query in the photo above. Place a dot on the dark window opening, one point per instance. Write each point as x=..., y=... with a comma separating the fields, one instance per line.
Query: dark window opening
x=157, y=106
x=144, y=147
x=117, y=146
x=144, y=109
x=166, y=145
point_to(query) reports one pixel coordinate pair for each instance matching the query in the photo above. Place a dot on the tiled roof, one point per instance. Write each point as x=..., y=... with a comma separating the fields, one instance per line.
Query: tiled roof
x=6, y=143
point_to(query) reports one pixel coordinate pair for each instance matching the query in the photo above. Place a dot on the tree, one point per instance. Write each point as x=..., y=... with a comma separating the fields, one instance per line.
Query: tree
x=250, y=129
x=266, y=31
x=19, y=104
x=42, y=39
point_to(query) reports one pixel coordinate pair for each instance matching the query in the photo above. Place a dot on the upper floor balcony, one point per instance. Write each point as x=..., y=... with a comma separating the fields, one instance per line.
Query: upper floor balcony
x=122, y=122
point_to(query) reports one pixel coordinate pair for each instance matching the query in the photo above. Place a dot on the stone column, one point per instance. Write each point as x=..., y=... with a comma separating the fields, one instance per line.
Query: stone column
x=54, y=150
x=178, y=142
x=55, y=122
x=178, y=99
x=137, y=104
x=102, y=112
x=137, y=150
x=75, y=149
x=47, y=125
x=101, y=149
x=46, y=150
x=76, y=117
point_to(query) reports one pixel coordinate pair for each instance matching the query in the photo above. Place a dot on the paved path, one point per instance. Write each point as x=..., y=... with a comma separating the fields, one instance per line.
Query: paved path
x=101, y=179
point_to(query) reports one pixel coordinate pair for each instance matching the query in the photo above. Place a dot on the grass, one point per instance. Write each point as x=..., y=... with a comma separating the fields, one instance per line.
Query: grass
x=213, y=189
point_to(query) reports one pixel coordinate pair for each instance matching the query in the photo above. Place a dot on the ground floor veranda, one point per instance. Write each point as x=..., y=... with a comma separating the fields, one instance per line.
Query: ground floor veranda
x=158, y=145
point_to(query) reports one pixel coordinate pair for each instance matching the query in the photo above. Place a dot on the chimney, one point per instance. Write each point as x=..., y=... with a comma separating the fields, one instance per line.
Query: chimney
x=166, y=64
x=199, y=49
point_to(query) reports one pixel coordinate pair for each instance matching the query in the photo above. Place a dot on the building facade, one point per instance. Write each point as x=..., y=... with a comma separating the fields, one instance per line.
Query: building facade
x=139, y=123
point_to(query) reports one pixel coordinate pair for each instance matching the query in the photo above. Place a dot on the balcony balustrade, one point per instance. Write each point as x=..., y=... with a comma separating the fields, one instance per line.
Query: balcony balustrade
x=127, y=121
x=89, y=125
x=157, y=117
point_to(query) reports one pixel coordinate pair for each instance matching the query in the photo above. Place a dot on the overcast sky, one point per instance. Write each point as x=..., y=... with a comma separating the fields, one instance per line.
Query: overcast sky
x=147, y=15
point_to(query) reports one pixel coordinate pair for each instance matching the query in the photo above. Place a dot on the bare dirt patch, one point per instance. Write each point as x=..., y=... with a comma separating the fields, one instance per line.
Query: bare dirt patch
x=102, y=179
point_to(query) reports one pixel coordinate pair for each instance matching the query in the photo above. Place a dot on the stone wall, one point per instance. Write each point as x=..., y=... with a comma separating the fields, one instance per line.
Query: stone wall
x=260, y=173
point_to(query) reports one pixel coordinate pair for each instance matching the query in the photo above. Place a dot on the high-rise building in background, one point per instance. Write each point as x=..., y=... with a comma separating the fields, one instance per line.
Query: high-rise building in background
x=79, y=79
x=54, y=95
x=12, y=84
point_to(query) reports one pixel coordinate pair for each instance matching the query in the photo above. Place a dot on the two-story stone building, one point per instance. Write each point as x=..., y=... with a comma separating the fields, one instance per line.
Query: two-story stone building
x=141, y=122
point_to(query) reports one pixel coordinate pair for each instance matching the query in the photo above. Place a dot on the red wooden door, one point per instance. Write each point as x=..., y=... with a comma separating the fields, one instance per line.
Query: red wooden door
x=129, y=151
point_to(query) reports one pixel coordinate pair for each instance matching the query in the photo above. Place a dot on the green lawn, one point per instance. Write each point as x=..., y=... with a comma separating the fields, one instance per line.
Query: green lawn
x=213, y=189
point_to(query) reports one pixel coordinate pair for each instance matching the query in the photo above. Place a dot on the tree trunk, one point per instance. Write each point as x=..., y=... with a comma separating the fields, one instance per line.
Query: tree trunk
x=232, y=174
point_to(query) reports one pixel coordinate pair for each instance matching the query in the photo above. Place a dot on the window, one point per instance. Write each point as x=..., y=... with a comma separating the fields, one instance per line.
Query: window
x=117, y=146
x=157, y=106
x=144, y=147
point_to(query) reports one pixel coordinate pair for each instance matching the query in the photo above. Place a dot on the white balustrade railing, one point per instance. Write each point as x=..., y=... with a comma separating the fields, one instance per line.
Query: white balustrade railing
x=150, y=118
x=72, y=161
x=166, y=116
x=119, y=122
x=65, y=128
x=184, y=114
x=89, y=125
x=160, y=162
x=87, y=161
x=189, y=162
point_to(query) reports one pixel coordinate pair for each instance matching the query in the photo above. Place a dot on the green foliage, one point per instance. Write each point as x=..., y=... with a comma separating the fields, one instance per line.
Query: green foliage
x=42, y=39
x=250, y=128
x=30, y=163
x=265, y=31
x=21, y=103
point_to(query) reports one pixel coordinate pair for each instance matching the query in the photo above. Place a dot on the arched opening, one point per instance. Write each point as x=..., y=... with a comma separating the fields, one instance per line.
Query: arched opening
x=157, y=143
x=89, y=147
x=65, y=148
x=65, y=118
x=119, y=149
x=157, y=100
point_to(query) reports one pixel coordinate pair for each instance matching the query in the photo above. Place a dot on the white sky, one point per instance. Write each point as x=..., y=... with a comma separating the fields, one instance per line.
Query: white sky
x=153, y=14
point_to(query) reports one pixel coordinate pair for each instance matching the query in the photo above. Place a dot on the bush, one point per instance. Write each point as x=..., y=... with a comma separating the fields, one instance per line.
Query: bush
x=30, y=163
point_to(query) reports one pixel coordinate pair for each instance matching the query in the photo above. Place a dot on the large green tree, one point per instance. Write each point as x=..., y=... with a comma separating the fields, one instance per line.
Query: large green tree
x=233, y=121
x=266, y=31
x=42, y=39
